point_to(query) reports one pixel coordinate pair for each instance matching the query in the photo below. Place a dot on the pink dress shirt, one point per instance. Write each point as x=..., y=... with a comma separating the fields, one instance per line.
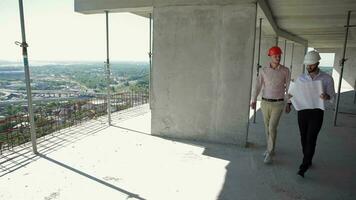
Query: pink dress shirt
x=273, y=82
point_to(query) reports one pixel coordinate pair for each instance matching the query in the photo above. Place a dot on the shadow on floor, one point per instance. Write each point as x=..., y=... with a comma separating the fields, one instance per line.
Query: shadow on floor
x=129, y=194
x=14, y=159
x=330, y=178
x=21, y=156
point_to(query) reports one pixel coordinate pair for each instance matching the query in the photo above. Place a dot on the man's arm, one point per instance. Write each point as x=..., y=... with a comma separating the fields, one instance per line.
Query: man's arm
x=330, y=89
x=289, y=103
x=287, y=84
x=257, y=90
x=329, y=94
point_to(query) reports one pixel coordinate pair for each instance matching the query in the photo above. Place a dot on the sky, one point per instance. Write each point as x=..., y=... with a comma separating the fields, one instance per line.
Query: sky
x=54, y=32
x=327, y=59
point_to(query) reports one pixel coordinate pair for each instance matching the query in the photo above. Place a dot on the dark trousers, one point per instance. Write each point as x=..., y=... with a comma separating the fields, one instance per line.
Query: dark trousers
x=309, y=121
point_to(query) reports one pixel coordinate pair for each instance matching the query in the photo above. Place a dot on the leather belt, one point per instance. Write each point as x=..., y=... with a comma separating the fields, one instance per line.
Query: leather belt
x=272, y=100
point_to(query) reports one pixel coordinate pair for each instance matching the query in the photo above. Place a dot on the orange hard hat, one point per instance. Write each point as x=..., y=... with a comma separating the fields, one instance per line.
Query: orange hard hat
x=274, y=51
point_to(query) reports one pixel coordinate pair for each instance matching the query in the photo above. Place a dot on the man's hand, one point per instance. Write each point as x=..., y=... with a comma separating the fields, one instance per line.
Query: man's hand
x=288, y=108
x=325, y=96
x=253, y=105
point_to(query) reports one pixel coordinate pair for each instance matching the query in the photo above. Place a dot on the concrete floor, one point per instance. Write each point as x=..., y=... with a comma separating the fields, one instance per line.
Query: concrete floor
x=93, y=161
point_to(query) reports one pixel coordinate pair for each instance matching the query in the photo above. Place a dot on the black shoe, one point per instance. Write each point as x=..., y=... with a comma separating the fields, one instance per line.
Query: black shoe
x=305, y=167
x=302, y=169
x=302, y=166
x=301, y=173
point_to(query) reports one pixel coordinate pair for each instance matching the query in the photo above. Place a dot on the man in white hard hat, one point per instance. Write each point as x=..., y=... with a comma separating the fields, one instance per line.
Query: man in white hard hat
x=311, y=120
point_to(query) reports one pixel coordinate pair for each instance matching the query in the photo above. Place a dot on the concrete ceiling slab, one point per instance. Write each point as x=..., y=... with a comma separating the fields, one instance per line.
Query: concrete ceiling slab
x=321, y=22
x=316, y=23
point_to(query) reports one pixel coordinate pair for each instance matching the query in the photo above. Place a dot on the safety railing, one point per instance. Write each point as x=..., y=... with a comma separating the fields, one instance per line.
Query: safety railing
x=54, y=115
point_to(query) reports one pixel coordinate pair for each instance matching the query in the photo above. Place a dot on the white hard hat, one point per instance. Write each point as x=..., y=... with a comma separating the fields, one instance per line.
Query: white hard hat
x=311, y=57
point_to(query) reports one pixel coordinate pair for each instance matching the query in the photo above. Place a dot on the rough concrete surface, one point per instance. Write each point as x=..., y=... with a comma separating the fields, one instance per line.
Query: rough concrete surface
x=200, y=80
x=92, y=161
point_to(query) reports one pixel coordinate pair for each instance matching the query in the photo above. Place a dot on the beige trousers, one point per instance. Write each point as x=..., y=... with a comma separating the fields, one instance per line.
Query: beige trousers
x=272, y=112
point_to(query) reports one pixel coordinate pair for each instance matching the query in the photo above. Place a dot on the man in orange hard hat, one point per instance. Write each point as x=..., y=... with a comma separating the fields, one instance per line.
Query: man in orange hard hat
x=273, y=80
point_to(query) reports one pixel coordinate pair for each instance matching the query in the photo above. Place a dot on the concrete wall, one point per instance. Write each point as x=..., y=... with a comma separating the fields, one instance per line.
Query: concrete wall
x=298, y=58
x=286, y=52
x=202, y=60
x=349, y=75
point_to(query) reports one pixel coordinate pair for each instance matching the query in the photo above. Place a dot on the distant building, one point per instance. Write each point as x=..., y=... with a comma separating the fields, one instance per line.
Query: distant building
x=13, y=96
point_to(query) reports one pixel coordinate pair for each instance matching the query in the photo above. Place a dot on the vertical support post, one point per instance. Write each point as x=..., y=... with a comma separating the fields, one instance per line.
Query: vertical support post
x=259, y=48
x=342, y=68
x=355, y=92
x=253, y=57
x=258, y=61
x=132, y=103
x=305, y=52
x=276, y=41
x=150, y=57
x=291, y=60
x=108, y=98
x=284, y=52
x=27, y=80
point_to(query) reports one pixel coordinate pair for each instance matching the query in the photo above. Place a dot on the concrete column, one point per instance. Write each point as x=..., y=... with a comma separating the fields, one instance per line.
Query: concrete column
x=349, y=75
x=202, y=58
x=298, y=58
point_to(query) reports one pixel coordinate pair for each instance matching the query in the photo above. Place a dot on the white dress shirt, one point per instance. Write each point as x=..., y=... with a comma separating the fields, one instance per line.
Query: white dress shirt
x=326, y=79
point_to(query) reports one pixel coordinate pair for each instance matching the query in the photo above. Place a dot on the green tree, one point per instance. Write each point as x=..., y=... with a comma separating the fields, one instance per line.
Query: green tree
x=12, y=110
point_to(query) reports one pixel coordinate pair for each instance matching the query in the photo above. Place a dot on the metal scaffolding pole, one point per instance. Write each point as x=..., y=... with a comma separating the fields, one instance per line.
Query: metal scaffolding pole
x=355, y=92
x=305, y=52
x=251, y=80
x=27, y=79
x=291, y=60
x=258, y=62
x=108, y=98
x=342, y=67
x=150, y=58
x=284, y=51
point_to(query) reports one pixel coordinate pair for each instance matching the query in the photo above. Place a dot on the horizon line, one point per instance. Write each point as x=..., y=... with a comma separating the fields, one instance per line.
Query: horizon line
x=103, y=61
